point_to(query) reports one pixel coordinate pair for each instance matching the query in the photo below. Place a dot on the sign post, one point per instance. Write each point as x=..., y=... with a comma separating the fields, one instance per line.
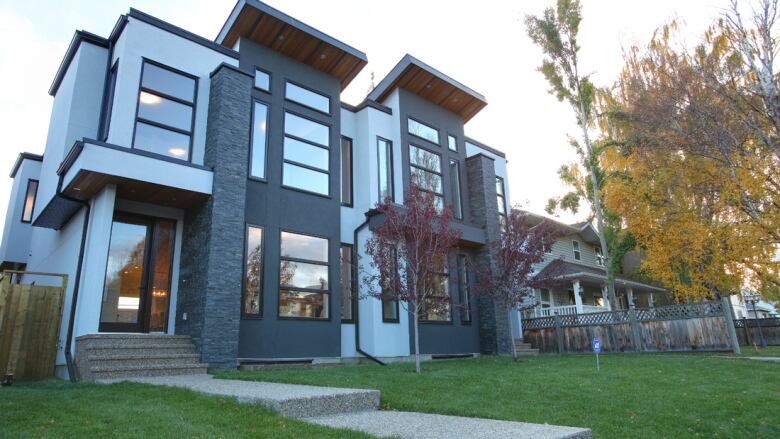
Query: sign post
x=597, y=350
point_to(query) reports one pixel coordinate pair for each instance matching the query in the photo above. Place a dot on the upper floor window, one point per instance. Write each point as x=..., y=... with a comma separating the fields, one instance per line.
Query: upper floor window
x=306, y=155
x=599, y=256
x=253, y=272
x=501, y=201
x=576, y=246
x=307, y=97
x=423, y=131
x=304, y=290
x=346, y=171
x=29, y=201
x=384, y=149
x=457, y=207
x=262, y=80
x=166, y=110
x=425, y=172
x=452, y=143
x=259, y=140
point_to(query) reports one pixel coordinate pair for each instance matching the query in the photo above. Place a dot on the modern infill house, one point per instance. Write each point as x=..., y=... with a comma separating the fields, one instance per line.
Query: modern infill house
x=219, y=190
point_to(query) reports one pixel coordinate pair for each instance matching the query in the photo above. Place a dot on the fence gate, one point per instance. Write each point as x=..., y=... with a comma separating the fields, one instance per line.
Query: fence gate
x=30, y=318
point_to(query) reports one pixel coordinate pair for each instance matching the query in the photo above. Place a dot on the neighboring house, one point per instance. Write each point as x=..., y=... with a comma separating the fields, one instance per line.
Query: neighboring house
x=577, y=261
x=744, y=307
x=219, y=189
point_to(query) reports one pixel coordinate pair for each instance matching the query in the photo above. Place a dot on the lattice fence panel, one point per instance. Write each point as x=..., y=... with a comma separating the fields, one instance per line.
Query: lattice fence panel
x=539, y=322
x=680, y=312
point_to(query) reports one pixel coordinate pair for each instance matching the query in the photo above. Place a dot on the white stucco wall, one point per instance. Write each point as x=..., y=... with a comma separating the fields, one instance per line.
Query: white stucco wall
x=15, y=246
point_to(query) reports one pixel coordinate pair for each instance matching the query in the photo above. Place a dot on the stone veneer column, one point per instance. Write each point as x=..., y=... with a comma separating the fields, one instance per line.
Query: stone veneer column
x=212, y=248
x=494, y=325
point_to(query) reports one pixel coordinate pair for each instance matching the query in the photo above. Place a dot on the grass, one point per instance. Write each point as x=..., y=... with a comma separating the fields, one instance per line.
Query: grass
x=769, y=351
x=663, y=395
x=58, y=409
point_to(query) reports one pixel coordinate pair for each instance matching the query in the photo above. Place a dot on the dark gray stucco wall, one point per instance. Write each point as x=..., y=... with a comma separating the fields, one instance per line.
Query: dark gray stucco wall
x=212, y=261
x=277, y=208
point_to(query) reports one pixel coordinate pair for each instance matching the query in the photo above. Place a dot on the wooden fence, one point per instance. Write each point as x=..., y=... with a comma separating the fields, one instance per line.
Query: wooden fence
x=30, y=318
x=704, y=326
x=750, y=331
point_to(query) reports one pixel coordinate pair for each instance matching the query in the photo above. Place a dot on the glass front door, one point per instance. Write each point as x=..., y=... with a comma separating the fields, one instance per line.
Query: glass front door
x=136, y=291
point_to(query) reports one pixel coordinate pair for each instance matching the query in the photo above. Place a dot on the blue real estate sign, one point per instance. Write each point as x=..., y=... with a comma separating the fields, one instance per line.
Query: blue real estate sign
x=596, y=345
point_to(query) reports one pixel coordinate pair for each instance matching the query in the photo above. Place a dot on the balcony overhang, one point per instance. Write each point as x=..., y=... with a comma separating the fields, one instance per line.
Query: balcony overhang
x=470, y=236
x=423, y=80
x=269, y=27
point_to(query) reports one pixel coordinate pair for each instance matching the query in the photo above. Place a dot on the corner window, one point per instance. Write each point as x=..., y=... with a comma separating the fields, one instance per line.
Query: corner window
x=452, y=143
x=259, y=140
x=463, y=290
x=385, y=164
x=307, y=98
x=166, y=111
x=346, y=171
x=306, y=155
x=425, y=172
x=348, y=297
x=599, y=256
x=29, y=201
x=576, y=247
x=253, y=272
x=457, y=207
x=390, y=311
x=303, y=277
x=262, y=80
x=423, y=131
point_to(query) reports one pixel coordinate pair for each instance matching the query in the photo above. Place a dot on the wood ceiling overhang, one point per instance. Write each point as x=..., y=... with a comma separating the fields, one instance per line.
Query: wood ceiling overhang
x=425, y=81
x=271, y=28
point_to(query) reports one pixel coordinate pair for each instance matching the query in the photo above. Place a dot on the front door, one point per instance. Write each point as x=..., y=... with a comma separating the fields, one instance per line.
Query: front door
x=136, y=291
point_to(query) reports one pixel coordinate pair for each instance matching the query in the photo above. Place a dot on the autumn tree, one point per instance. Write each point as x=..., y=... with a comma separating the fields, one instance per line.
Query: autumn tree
x=518, y=253
x=555, y=32
x=408, y=256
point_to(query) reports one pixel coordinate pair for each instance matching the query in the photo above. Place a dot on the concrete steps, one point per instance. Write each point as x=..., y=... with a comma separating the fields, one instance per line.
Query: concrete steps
x=525, y=349
x=109, y=356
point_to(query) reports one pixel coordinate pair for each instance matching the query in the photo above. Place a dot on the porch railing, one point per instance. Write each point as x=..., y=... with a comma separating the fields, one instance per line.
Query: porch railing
x=564, y=310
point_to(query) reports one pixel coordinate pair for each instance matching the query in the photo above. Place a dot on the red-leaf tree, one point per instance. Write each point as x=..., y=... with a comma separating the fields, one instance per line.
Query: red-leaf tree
x=408, y=253
x=517, y=254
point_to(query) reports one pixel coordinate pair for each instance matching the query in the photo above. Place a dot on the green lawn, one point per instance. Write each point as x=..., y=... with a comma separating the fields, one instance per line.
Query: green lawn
x=664, y=395
x=57, y=409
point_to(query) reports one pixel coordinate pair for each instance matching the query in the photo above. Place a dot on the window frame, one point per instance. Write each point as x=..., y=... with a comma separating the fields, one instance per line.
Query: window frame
x=464, y=292
x=455, y=138
x=252, y=143
x=448, y=283
x=326, y=292
x=391, y=169
x=303, y=165
x=425, y=124
x=440, y=173
x=244, y=314
x=353, y=283
x=397, y=308
x=455, y=183
x=193, y=104
x=270, y=79
x=24, y=200
x=351, y=201
x=576, y=250
x=311, y=90
x=599, y=255
x=108, y=101
x=501, y=201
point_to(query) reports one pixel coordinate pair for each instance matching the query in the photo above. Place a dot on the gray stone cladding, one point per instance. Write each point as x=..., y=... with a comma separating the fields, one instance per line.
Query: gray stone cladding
x=212, y=246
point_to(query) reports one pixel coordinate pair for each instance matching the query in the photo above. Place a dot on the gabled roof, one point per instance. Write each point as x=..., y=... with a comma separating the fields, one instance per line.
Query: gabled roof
x=423, y=80
x=584, y=228
x=274, y=29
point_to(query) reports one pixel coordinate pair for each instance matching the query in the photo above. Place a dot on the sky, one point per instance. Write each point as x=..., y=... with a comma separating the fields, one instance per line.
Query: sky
x=481, y=44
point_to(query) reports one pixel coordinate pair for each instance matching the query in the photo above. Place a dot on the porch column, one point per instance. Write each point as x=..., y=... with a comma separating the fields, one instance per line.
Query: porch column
x=577, y=296
x=630, y=297
x=651, y=300
x=605, y=298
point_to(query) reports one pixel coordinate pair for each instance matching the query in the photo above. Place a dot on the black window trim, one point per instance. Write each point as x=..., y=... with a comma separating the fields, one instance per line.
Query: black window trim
x=440, y=173
x=327, y=292
x=502, y=195
x=449, y=292
x=294, y=163
x=251, y=138
x=464, y=291
x=270, y=79
x=353, y=282
x=433, y=127
x=351, y=202
x=456, y=142
x=193, y=104
x=457, y=215
x=330, y=100
x=391, y=176
x=107, y=107
x=245, y=315
x=35, y=198
x=397, y=318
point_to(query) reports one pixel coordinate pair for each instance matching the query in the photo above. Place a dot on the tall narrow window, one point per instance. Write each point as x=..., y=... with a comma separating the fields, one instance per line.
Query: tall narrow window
x=166, y=111
x=389, y=306
x=576, y=247
x=29, y=200
x=599, y=256
x=385, y=164
x=259, y=140
x=438, y=308
x=463, y=290
x=253, y=272
x=452, y=143
x=423, y=131
x=346, y=171
x=108, y=104
x=425, y=172
x=304, y=289
x=262, y=80
x=457, y=206
x=306, y=155
x=307, y=98
x=501, y=201
x=348, y=297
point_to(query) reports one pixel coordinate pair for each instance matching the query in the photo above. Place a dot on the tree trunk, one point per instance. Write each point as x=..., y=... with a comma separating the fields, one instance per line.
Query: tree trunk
x=416, y=342
x=512, y=333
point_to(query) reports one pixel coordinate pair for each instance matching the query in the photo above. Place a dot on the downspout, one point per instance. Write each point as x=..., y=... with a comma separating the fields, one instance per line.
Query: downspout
x=357, y=308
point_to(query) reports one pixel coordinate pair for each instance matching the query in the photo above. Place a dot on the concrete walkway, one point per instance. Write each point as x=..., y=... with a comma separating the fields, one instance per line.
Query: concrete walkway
x=770, y=359
x=357, y=409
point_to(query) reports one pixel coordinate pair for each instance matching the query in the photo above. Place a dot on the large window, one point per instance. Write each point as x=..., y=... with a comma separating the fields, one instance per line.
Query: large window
x=346, y=171
x=457, y=202
x=259, y=140
x=438, y=308
x=425, y=172
x=423, y=131
x=501, y=200
x=463, y=290
x=253, y=272
x=166, y=111
x=306, y=155
x=303, y=277
x=385, y=164
x=307, y=98
x=29, y=200
x=390, y=309
x=348, y=286
x=575, y=245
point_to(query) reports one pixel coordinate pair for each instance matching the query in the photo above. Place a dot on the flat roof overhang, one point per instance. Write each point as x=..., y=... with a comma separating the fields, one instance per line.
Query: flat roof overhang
x=423, y=80
x=470, y=236
x=274, y=29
